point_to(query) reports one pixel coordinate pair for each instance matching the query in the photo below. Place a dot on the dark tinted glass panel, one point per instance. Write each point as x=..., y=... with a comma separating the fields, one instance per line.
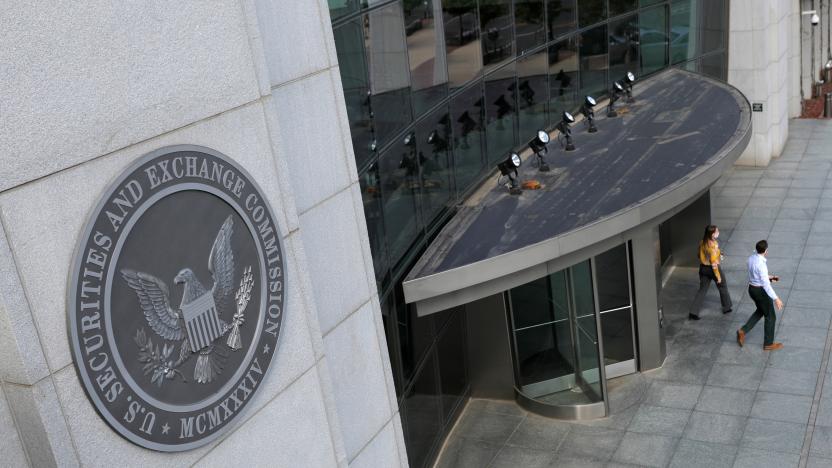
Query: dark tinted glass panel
x=415, y=334
x=339, y=8
x=561, y=17
x=462, y=41
x=713, y=25
x=452, y=364
x=529, y=26
x=653, y=39
x=644, y=3
x=714, y=66
x=591, y=12
x=428, y=67
x=612, y=278
x=563, y=78
x=617, y=331
x=618, y=7
x=374, y=214
x=422, y=408
x=467, y=120
x=349, y=44
x=623, y=47
x=501, y=112
x=399, y=176
x=593, y=52
x=433, y=143
x=389, y=71
x=388, y=316
x=532, y=93
x=530, y=304
x=664, y=242
x=582, y=297
x=683, y=25
x=497, y=29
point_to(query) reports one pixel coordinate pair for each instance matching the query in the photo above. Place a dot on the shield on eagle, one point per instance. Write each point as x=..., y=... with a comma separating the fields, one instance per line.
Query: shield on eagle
x=202, y=321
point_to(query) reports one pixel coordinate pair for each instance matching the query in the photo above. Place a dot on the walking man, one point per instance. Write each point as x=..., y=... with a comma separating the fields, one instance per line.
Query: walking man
x=709, y=270
x=761, y=292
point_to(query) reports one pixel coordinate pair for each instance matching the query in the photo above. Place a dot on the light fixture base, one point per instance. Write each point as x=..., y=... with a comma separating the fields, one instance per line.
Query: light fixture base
x=570, y=147
x=514, y=191
x=544, y=167
x=612, y=114
x=592, y=129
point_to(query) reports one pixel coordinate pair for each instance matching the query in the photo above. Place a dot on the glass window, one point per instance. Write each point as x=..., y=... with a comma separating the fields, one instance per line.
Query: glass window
x=623, y=47
x=497, y=32
x=462, y=41
x=713, y=25
x=645, y=3
x=399, y=177
x=683, y=30
x=373, y=213
x=612, y=278
x=433, y=141
x=426, y=50
x=349, y=45
x=389, y=71
x=422, y=408
x=618, y=7
x=339, y=8
x=529, y=28
x=467, y=121
x=714, y=66
x=594, y=59
x=561, y=16
x=501, y=112
x=532, y=94
x=653, y=39
x=452, y=376
x=388, y=311
x=563, y=78
x=415, y=334
x=591, y=12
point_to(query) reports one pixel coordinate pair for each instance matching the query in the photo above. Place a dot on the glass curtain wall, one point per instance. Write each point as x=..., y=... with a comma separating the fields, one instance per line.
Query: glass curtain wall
x=437, y=91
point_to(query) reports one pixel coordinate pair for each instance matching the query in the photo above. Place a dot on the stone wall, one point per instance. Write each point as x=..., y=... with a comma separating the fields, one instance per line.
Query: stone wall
x=88, y=88
x=761, y=64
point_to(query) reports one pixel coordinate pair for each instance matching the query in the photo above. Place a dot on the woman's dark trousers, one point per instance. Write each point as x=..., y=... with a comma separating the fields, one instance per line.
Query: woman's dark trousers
x=706, y=275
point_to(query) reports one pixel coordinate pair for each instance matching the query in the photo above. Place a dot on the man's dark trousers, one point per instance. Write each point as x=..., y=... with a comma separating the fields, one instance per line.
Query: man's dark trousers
x=765, y=308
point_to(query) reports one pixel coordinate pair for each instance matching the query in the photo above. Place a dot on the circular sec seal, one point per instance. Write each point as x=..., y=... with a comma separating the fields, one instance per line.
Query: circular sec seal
x=176, y=298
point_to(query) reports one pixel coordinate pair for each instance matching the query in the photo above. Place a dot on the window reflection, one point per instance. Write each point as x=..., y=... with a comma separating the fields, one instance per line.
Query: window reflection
x=623, y=47
x=653, y=38
x=426, y=49
x=452, y=355
x=501, y=112
x=339, y=8
x=529, y=29
x=462, y=41
x=496, y=27
x=399, y=177
x=593, y=52
x=683, y=33
x=532, y=94
x=349, y=43
x=563, y=78
x=618, y=7
x=373, y=213
x=422, y=413
x=467, y=120
x=712, y=28
x=433, y=140
x=389, y=70
x=415, y=334
x=591, y=12
x=561, y=17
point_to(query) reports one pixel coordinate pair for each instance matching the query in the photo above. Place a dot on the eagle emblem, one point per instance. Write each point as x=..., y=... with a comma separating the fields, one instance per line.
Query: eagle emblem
x=197, y=323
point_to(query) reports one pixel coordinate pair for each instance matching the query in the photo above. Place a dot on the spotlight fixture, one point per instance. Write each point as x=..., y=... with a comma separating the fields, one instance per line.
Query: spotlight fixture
x=587, y=110
x=508, y=168
x=628, y=81
x=538, y=146
x=615, y=94
x=565, y=129
x=815, y=19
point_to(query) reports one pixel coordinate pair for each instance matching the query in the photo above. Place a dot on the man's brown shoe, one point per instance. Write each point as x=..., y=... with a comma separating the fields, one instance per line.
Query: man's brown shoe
x=773, y=347
x=740, y=337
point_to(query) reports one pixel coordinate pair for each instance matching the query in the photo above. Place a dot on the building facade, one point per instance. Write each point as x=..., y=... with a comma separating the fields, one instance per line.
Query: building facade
x=371, y=127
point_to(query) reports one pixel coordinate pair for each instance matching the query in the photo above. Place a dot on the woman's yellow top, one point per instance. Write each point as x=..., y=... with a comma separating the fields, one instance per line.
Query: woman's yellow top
x=709, y=254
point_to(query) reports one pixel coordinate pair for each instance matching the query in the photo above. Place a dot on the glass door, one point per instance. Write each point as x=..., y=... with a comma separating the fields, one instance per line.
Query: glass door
x=615, y=302
x=555, y=337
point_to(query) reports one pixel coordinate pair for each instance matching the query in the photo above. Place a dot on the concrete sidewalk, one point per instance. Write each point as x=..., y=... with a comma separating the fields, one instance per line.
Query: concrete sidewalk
x=713, y=404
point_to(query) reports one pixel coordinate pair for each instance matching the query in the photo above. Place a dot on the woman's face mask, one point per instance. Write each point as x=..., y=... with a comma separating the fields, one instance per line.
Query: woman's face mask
x=716, y=235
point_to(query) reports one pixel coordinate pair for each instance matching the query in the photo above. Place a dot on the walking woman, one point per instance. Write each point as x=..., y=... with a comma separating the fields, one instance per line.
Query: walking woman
x=709, y=270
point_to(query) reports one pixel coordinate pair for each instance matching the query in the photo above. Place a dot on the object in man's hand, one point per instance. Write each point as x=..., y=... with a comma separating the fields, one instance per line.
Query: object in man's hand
x=775, y=279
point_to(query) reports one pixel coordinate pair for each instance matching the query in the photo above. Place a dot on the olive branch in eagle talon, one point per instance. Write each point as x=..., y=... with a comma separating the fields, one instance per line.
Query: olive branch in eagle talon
x=196, y=323
x=243, y=296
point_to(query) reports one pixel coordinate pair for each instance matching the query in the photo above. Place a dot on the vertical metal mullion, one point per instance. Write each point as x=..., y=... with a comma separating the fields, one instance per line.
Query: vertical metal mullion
x=573, y=326
x=602, y=368
x=631, y=292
